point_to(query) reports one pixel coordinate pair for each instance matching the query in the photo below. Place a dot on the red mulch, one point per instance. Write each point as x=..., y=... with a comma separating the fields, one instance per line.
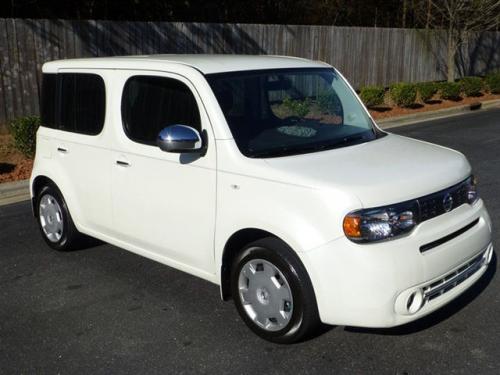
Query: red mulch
x=393, y=111
x=14, y=166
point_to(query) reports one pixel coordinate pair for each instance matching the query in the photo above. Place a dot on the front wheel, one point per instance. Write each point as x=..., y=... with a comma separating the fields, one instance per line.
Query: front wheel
x=273, y=293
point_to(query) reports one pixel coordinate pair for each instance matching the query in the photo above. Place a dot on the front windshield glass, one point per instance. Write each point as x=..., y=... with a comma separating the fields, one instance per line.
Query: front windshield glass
x=290, y=111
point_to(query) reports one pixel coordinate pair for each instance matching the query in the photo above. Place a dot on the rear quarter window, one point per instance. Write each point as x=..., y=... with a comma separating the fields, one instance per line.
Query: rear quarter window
x=82, y=103
x=48, y=100
x=73, y=102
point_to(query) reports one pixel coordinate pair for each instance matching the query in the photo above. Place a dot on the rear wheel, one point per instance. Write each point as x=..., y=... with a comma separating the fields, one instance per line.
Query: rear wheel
x=54, y=220
x=273, y=293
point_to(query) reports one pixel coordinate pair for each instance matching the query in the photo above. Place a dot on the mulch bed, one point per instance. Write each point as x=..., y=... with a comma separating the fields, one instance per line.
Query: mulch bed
x=433, y=105
x=14, y=166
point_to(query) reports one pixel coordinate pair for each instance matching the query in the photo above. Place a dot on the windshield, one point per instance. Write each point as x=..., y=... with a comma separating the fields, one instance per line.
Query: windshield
x=290, y=111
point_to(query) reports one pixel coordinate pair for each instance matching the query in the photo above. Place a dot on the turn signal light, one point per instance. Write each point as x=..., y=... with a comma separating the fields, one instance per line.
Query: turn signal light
x=352, y=226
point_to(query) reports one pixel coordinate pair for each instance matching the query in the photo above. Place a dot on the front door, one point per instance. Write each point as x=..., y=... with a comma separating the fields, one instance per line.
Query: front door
x=163, y=203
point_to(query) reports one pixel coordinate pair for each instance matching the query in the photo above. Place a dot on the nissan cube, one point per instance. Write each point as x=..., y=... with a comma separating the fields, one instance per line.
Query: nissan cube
x=265, y=175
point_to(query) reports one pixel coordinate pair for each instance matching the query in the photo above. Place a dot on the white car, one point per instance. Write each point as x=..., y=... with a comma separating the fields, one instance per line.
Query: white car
x=265, y=175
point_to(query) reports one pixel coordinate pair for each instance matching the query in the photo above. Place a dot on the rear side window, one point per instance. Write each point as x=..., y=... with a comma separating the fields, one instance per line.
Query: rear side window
x=150, y=103
x=74, y=102
x=82, y=103
x=48, y=100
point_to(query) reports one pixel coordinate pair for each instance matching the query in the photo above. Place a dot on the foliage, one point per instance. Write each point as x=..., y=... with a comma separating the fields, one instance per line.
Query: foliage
x=403, y=94
x=471, y=86
x=297, y=107
x=372, y=95
x=388, y=13
x=492, y=80
x=426, y=90
x=449, y=90
x=329, y=102
x=23, y=130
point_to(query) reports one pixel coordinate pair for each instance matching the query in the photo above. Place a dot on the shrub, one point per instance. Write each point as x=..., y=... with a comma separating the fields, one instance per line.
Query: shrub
x=449, y=90
x=372, y=95
x=403, y=94
x=298, y=107
x=492, y=80
x=329, y=102
x=471, y=86
x=426, y=90
x=23, y=130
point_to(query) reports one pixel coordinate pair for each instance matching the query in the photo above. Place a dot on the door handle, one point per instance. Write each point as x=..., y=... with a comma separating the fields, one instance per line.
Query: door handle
x=123, y=163
x=62, y=150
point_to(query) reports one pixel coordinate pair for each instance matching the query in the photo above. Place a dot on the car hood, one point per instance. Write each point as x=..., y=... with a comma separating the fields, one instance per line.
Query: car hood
x=388, y=170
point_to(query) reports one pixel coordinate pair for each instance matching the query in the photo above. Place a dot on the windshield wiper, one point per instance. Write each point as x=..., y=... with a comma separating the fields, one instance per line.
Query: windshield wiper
x=287, y=151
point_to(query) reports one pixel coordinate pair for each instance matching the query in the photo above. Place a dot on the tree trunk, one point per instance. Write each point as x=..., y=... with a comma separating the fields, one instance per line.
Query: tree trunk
x=451, y=57
x=403, y=20
x=428, y=14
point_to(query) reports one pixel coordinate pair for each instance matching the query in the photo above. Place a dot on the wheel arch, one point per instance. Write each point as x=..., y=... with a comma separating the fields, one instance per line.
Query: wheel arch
x=39, y=182
x=233, y=246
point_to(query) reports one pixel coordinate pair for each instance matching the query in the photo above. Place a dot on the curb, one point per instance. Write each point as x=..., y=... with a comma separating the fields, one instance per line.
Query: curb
x=13, y=192
x=393, y=122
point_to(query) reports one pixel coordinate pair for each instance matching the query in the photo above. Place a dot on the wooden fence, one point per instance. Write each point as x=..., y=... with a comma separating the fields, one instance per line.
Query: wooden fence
x=364, y=55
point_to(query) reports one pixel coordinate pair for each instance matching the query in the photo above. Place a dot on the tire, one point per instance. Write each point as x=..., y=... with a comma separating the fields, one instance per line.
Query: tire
x=55, y=222
x=273, y=293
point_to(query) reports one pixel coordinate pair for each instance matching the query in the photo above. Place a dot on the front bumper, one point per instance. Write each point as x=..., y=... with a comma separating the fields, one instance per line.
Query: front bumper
x=369, y=285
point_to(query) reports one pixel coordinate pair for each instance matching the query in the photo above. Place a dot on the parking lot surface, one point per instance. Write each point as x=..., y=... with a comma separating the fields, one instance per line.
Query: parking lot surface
x=104, y=310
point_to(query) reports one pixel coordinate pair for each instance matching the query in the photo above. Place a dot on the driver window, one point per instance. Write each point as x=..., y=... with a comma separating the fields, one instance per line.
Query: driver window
x=151, y=103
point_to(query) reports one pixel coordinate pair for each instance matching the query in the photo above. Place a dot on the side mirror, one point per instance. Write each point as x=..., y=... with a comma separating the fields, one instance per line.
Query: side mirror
x=180, y=139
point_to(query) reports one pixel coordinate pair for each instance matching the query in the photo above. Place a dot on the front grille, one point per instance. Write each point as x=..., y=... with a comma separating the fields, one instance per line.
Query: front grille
x=432, y=205
x=454, y=278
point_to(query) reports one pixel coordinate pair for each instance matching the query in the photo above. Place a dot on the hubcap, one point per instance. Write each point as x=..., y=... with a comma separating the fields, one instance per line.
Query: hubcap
x=51, y=218
x=265, y=294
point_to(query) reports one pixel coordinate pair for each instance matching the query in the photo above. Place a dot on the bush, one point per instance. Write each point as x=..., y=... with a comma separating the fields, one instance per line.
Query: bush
x=372, y=95
x=449, y=90
x=471, y=86
x=426, y=90
x=329, y=102
x=298, y=107
x=23, y=132
x=492, y=80
x=403, y=94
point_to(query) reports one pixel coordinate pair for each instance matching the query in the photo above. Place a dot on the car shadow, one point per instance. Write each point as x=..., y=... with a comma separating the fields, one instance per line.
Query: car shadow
x=441, y=314
x=86, y=243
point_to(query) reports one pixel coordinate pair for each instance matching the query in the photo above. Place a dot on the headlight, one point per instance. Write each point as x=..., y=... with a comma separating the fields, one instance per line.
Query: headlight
x=472, y=195
x=381, y=223
x=376, y=224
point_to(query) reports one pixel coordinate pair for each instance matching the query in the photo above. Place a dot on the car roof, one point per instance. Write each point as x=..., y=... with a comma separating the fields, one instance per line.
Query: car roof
x=207, y=64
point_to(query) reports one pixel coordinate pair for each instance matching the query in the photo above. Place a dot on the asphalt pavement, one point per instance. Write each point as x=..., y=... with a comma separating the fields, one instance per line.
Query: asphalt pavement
x=105, y=310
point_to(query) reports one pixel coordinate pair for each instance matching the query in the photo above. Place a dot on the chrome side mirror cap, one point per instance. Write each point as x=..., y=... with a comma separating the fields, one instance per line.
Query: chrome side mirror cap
x=180, y=139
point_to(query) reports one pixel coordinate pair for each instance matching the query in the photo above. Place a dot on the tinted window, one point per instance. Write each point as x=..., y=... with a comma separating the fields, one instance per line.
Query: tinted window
x=149, y=104
x=82, y=103
x=48, y=100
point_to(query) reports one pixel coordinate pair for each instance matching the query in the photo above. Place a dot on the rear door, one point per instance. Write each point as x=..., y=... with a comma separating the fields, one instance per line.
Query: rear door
x=81, y=147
